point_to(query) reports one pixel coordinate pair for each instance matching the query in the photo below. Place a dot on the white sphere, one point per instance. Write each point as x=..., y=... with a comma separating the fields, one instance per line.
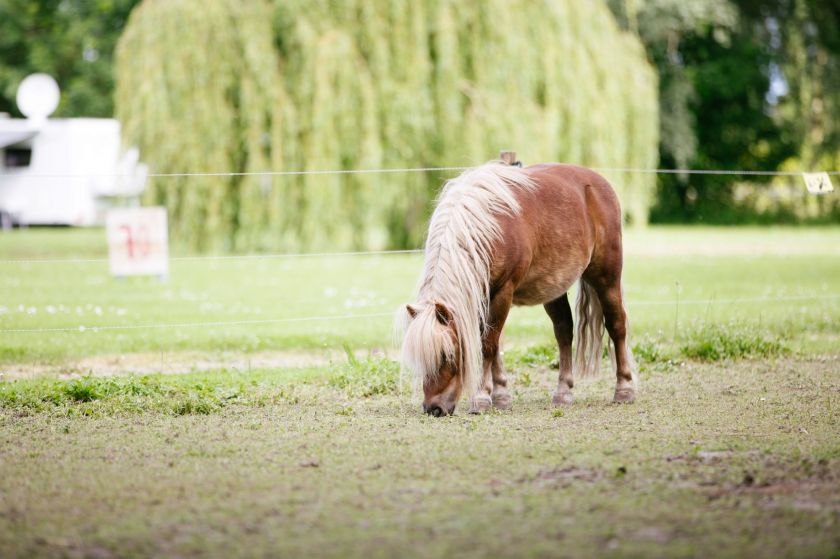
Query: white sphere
x=38, y=96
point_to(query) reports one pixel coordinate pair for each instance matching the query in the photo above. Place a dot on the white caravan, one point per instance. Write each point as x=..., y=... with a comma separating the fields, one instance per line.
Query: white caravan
x=61, y=171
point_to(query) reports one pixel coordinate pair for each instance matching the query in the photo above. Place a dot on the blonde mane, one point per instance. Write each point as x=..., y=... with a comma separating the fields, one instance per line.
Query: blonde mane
x=462, y=232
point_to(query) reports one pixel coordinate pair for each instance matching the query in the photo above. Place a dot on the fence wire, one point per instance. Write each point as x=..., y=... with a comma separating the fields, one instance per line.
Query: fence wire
x=221, y=257
x=734, y=172
x=96, y=329
x=346, y=172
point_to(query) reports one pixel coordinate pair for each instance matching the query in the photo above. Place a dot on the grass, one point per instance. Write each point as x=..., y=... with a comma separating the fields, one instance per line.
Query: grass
x=190, y=394
x=710, y=343
x=196, y=393
x=731, y=450
x=369, y=377
x=716, y=274
x=715, y=343
x=732, y=458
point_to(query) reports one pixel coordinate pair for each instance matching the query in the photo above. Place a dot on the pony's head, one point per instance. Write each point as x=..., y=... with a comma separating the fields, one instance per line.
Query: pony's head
x=431, y=350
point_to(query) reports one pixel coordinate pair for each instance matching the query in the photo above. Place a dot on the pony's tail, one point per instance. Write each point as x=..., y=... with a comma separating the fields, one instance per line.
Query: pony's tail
x=590, y=331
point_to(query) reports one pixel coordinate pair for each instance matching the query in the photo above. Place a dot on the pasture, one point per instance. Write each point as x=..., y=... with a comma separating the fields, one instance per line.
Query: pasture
x=285, y=432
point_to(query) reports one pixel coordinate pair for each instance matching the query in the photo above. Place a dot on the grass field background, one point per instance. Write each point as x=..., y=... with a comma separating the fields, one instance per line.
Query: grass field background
x=721, y=277
x=732, y=449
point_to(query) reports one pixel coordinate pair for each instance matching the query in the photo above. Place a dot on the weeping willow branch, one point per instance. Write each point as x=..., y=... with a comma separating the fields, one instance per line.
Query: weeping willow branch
x=318, y=84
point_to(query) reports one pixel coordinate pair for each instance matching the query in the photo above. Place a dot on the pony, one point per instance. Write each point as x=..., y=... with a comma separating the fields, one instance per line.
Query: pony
x=502, y=235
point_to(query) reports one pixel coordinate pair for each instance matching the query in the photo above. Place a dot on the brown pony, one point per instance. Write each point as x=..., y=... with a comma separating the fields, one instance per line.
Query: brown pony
x=501, y=235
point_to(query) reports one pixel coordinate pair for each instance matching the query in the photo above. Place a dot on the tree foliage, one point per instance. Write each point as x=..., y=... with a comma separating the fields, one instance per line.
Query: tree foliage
x=354, y=84
x=72, y=40
x=804, y=36
x=743, y=85
x=198, y=90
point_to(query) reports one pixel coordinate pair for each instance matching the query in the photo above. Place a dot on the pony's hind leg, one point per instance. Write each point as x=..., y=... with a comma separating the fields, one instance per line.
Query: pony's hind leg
x=561, y=316
x=615, y=319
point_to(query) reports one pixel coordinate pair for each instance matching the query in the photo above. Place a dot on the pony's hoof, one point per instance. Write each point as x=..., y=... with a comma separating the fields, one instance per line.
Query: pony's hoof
x=562, y=398
x=502, y=400
x=480, y=404
x=624, y=396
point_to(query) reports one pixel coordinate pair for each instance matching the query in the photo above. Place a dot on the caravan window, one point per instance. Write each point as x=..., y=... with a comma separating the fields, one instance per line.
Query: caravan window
x=17, y=157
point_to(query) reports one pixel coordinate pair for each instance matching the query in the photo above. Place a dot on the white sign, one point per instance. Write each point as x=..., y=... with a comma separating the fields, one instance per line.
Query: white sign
x=818, y=183
x=138, y=243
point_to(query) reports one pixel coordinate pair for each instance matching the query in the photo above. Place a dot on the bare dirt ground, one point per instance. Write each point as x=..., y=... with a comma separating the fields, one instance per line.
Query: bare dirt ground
x=177, y=363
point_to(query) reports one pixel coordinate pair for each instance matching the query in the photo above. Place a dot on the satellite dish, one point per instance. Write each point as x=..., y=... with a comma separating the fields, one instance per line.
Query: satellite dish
x=38, y=96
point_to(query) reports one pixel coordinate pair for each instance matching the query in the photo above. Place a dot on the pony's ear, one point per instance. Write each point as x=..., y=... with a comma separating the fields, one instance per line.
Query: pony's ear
x=412, y=312
x=443, y=314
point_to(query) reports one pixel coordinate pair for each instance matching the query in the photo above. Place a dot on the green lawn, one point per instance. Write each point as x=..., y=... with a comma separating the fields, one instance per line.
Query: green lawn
x=730, y=459
x=732, y=448
x=724, y=277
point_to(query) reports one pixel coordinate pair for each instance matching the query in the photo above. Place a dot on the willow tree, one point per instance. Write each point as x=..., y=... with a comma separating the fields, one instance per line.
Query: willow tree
x=197, y=91
x=357, y=84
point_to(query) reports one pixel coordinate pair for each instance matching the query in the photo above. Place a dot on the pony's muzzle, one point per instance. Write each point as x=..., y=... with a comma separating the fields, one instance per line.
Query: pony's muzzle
x=436, y=410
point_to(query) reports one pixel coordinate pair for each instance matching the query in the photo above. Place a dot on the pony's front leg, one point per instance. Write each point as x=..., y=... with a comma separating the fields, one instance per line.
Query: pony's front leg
x=481, y=401
x=487, y=395
x=502, y=400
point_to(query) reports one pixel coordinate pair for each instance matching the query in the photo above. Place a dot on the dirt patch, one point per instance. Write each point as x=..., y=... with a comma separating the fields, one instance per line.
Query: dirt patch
x=707, y=456
x=810, y=494
x=655, y=534
x=175, y=363
x=564, y=476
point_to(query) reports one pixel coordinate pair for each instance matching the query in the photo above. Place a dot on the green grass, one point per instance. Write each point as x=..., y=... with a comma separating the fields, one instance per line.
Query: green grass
x=736, y=458
x=716, y=343
x=731, y=450
x=369, y=377
x=196, y=393
x=714, y=273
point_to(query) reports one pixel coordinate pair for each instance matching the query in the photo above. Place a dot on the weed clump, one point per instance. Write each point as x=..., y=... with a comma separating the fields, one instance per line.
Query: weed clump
x=83, y=390
x=196, y=404
x=716, y=344
x=97, y=396
x=367, y=377
x=535, y=356
x=648, y=351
